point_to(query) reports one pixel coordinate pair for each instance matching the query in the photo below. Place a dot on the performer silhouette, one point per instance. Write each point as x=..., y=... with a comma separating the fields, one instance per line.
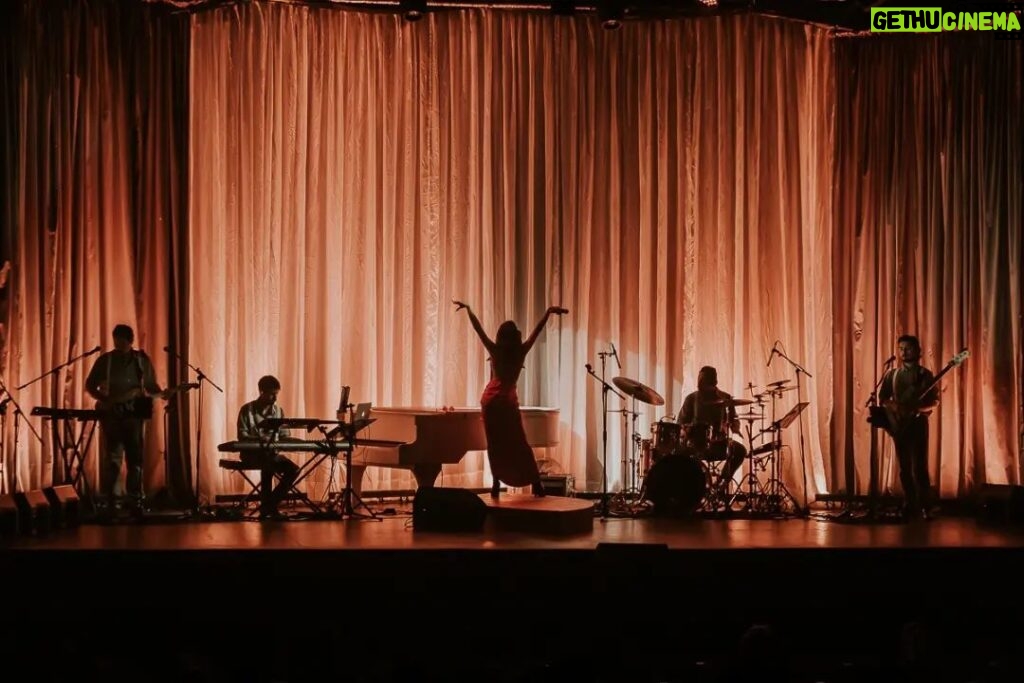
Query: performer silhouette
x=508, y=451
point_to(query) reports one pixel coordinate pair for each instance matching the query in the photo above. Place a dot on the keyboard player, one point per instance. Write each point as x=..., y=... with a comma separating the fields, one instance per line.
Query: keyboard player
x=249, y=416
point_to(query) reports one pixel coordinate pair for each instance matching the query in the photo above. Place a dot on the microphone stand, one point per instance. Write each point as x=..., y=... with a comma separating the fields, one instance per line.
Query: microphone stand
x=57, y=369
x=201, y=377
x=18, y=414
x=872, y=403
x=605, y=388
x=803, y=462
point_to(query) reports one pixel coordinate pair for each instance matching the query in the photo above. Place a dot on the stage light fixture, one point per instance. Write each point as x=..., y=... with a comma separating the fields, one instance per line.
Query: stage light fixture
x=611, y=15
x=413, y=10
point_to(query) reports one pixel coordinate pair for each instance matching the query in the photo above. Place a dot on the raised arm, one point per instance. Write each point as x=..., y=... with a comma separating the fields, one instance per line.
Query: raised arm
x=488, y=344
x=552, y=310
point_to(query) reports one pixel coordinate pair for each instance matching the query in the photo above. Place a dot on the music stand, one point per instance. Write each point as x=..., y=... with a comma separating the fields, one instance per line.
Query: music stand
x=348, y=431
x=776, y=489
x=791, y=416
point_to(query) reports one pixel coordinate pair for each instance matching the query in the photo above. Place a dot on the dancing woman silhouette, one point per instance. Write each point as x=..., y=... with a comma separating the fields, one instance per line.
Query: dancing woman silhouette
x=508, y=450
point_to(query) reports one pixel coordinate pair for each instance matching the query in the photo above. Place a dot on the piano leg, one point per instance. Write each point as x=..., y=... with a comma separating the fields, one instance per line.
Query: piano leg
x=426, y=474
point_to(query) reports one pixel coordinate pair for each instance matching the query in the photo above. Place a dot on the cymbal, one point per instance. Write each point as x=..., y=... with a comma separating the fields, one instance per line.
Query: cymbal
x=731, y=402
x=778, y=383
x=779, y=390
x=640, y=392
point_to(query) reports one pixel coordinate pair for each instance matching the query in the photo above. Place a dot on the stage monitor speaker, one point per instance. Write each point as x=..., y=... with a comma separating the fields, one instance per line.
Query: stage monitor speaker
x=34, y=515
x=65, y=506
x=1001, y=505
x=557, y=484
x=447, y=509
x=8, y=516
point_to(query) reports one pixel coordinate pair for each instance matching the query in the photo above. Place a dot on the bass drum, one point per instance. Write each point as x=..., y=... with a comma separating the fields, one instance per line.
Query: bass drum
x=676, y=485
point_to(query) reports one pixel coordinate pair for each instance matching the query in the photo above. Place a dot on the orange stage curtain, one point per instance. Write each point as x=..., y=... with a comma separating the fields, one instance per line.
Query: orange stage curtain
x=692, y=190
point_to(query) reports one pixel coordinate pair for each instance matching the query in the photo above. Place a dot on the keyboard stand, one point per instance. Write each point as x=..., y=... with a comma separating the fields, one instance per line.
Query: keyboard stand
x=73, y=446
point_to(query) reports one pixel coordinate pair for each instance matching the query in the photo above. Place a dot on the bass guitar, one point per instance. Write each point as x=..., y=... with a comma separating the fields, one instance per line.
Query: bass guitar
x=891, y=418
x=137, y=403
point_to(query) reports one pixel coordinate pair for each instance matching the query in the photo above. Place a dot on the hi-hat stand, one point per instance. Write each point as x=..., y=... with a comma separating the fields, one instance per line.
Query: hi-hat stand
x=750, y=479
x=605, y=389
x=630, y=442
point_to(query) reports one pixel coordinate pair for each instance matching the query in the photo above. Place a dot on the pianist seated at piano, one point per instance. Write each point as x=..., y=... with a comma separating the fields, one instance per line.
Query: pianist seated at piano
x=249, y=417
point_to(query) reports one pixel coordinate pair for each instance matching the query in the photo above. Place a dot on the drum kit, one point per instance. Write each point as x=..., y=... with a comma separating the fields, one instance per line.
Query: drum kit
x=678, y=469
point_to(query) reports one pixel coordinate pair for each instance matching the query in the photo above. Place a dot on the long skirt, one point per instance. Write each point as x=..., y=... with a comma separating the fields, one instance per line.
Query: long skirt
x=509, y=453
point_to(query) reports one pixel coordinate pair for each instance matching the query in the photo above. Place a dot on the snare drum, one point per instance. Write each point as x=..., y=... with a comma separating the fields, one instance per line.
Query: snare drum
x=664, y=438
x=698, y=436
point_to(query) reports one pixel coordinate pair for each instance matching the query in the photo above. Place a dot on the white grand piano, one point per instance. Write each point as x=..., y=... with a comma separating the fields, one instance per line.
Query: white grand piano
x=432, y=437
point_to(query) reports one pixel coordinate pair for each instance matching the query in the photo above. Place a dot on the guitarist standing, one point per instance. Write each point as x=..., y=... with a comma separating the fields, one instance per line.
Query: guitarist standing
x=903, y=395
x=123, y=381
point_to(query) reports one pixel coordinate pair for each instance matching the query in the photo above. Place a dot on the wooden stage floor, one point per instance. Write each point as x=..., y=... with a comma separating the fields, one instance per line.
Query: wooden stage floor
x=395, y=532
x=370, y=598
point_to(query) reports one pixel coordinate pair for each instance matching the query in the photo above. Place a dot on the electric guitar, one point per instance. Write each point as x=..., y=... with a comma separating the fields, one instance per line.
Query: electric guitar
x=891, y=417
x=137, y=403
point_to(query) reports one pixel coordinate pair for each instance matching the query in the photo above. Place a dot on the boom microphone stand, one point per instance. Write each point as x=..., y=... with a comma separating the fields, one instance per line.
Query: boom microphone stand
x=201, y=378
x=605, y=388
x=799, y=398
x=872, y=405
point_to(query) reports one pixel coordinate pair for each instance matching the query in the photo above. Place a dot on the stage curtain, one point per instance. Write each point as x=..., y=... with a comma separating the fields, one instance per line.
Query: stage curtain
x=353, y=173
x=692, y=190
x=94, y=178
x=928, y=208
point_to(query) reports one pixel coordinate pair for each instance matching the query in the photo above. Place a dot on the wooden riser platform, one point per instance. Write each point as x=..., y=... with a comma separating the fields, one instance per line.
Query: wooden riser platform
x=544, y=515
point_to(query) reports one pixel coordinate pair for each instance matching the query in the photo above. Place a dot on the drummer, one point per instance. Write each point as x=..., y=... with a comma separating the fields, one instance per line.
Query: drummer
x=711, y=406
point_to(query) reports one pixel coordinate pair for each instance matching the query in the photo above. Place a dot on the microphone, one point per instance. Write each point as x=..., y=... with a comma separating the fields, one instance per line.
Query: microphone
x=96, y=350
x=892, y=358
x=616, y=354
x=772, y=353
x=590, y=368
